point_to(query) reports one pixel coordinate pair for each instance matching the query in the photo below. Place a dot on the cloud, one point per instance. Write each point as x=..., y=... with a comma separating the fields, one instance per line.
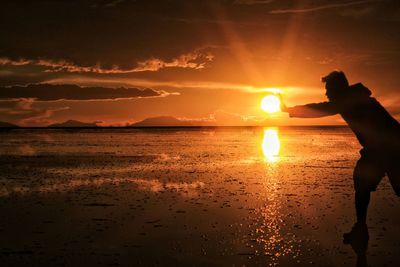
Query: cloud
x=53, y=92
x=80, y=34
x=322, y=7
x=221, y=117
x=171, y=44
x=218, y=118
x=114, y=3
x=23, y=112
x=19, y=62
x=252, y=2
x=357, y=12
x=194, y=60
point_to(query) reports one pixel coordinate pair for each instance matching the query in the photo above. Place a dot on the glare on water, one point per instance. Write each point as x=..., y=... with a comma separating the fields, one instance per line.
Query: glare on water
x=271, y=144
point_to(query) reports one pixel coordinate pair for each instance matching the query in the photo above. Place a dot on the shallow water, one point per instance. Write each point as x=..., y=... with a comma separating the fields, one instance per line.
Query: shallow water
x=186, y=197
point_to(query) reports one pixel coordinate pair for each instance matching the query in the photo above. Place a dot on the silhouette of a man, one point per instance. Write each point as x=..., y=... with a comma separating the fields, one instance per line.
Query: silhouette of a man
x=376, y=130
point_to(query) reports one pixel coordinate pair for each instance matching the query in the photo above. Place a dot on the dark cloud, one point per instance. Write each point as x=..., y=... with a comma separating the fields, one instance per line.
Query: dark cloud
x=193, y=60
x=113, y=3
x=73, y=36
x=314, y=8
x=115, y=36
x=252, y=2
x=24, y=112
x=53, y=92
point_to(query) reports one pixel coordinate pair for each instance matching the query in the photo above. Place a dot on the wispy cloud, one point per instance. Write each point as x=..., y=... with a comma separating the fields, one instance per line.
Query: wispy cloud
x=322, y=7
x=252, y=2
x=23, y=112
x=194, y=60
x=114, y=3
x=54, y=92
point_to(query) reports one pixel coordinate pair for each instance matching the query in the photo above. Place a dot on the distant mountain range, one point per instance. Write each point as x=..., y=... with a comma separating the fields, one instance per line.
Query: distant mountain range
x=72, y=124
x=4, y=124
x=162, y=121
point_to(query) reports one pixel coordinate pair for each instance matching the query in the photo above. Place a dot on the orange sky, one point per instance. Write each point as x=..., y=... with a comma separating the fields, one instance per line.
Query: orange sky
x=203, y=61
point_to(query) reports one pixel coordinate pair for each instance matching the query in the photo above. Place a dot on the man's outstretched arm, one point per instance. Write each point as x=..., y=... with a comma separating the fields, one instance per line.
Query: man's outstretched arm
x=314, y=110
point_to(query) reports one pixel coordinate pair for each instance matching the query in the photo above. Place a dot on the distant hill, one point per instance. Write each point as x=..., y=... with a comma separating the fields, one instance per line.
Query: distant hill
x=4, y=124
x=163, y=121
x=73, y=123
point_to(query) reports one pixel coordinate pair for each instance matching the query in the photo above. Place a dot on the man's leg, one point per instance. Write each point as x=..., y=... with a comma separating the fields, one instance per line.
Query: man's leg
x=362, y=198
x=367, y=175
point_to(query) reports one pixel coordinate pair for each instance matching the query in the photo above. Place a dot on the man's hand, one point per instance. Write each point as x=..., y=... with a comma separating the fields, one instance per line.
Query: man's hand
x=284, y=108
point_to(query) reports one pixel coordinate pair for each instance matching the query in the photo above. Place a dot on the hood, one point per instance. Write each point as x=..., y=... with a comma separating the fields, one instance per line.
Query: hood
x=358, y=90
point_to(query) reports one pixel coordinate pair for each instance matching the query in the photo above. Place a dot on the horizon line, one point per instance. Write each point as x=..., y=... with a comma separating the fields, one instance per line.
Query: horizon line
x=176, y=126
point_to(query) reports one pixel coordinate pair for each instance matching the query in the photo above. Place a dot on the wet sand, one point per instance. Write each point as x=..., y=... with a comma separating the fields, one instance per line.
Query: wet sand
x=186, y=197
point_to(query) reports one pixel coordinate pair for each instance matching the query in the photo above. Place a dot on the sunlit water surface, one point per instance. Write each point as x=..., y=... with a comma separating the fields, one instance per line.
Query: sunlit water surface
x=186, y=197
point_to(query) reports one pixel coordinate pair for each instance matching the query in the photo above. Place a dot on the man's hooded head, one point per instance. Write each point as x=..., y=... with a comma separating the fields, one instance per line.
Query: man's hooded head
x=336, y=85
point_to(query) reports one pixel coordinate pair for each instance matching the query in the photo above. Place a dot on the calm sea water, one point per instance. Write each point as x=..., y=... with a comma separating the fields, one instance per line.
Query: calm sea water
x=186, y=197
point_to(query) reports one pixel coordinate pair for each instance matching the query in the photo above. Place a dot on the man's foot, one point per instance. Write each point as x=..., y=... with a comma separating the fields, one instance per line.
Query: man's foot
x=358, y=237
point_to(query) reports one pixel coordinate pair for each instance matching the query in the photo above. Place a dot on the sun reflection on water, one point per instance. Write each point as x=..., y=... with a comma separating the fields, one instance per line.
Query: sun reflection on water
x=272, y=235
x=271, y=144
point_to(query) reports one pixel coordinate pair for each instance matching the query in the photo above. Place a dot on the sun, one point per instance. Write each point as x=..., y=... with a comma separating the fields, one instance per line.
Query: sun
x=271, y=104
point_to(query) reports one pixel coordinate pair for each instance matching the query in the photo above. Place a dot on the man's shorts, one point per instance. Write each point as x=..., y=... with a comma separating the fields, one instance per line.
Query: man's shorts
x=373, y=166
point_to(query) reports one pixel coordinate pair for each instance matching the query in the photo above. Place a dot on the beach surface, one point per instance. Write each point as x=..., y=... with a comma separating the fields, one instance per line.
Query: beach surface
x=187, y=197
